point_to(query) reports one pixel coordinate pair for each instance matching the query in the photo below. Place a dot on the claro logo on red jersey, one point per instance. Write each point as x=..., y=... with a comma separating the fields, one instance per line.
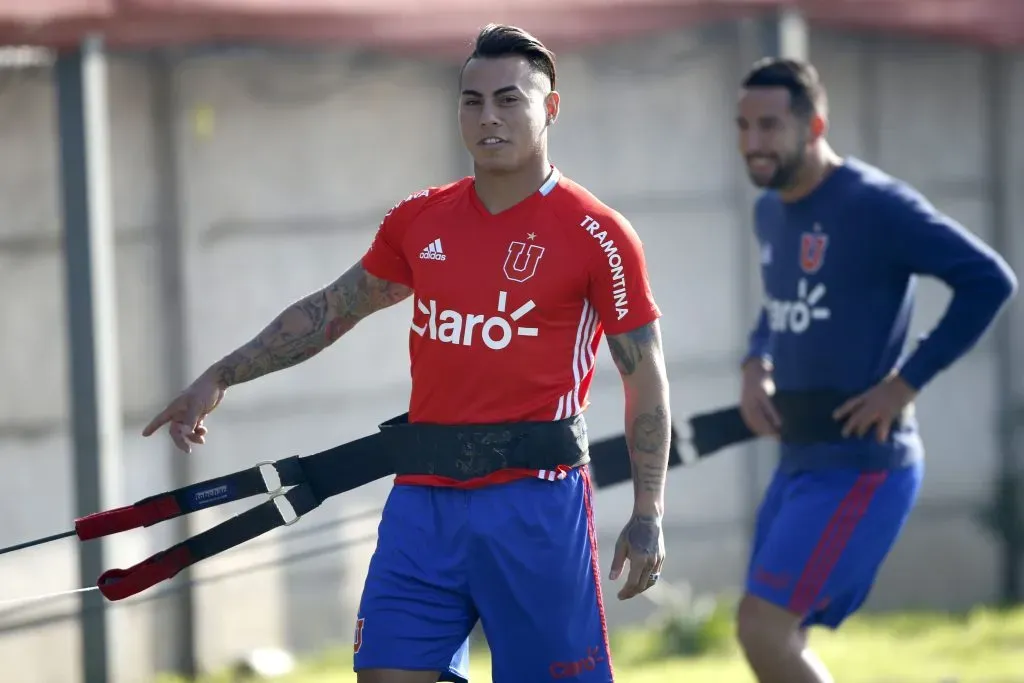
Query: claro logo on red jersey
x=469, y=329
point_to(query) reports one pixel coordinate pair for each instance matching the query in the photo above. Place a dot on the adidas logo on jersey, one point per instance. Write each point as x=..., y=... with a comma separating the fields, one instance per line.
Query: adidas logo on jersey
x=433, y=252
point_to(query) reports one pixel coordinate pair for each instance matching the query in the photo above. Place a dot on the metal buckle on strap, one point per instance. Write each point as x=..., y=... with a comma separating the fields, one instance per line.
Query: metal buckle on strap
x=280, y=495
x=262, y=466
x=277, y=495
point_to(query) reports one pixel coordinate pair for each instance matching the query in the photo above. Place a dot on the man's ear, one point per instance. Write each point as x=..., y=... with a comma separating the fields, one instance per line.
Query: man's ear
x=819, y=126
x=551, y=104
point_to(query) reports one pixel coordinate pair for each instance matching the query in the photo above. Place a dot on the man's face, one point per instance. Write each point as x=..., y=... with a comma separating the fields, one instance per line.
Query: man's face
x=772, y=140
x=504, y=110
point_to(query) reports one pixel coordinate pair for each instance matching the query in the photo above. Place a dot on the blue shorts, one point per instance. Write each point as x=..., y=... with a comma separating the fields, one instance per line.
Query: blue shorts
x=822, y=536
x=520, y=557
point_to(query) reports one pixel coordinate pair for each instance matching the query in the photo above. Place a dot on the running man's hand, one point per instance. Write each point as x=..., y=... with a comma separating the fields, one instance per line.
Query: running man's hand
x=756, y=406
x=643, y=544
x=187, y=412
x=877, y=407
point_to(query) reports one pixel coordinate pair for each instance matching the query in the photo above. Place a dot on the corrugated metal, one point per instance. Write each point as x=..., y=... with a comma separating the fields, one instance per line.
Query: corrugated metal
x=448, y=25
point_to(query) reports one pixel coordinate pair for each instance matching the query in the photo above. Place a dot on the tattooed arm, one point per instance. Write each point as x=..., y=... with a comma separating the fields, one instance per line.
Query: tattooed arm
x=301, y=331
x=309, y=326
x=641, y=363
x=638, y=356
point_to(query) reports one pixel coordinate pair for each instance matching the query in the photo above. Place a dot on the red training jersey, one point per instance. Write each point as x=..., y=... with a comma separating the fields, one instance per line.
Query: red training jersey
x=509, y=309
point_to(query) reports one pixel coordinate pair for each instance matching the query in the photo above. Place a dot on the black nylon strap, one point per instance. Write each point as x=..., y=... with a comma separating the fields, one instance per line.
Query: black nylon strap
x=216, y=491
x=610, y=462
x=313, y=479
x=346, y=467
x=718, y=429
x=254, y=522
x=806, y=418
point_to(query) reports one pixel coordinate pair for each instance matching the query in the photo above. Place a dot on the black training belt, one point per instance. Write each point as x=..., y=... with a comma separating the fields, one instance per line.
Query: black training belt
x=304, y=482
x=468, y=452
x=459, y=452
x=807, y=415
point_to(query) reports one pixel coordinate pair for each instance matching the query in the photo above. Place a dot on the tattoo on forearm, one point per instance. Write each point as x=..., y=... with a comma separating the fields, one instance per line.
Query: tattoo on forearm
x=628, y=349
x=647, y=415
x=310, y=325
x=649, y=445
x=650, y=431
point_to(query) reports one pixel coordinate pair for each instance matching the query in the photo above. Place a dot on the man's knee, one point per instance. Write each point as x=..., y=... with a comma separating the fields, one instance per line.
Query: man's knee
x=396, y=676
x=762, y=626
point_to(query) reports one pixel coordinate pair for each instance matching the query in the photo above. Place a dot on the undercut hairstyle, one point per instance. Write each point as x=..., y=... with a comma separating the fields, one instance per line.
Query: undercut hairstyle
x=499, y=40
x=806, y=93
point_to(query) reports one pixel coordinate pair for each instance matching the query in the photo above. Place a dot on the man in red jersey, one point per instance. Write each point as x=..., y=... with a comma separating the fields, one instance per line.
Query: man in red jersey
x=516, y=274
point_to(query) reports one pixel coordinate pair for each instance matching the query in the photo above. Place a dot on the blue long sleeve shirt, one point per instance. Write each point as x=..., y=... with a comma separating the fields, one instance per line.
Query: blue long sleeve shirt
x=839, y=269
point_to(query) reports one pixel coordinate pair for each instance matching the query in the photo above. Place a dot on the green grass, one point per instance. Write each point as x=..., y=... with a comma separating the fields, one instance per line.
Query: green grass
x=984, y=646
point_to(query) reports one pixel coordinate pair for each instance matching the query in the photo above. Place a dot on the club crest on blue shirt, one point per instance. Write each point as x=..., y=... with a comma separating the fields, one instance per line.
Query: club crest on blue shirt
x=812, y=249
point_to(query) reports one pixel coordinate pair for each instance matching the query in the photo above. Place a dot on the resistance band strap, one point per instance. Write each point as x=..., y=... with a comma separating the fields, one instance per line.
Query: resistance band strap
x=205, y=494
x=315, y=478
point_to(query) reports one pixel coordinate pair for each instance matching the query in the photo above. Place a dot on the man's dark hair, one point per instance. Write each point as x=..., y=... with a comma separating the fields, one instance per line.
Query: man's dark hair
x=806, y=93
x=499, y=40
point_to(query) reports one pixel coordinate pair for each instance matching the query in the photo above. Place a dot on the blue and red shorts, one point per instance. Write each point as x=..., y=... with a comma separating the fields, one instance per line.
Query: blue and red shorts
x=822, y=536
x=520, y=558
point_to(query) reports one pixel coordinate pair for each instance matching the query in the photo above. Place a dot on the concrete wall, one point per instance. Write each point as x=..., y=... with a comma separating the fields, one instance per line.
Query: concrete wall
x=277, y=170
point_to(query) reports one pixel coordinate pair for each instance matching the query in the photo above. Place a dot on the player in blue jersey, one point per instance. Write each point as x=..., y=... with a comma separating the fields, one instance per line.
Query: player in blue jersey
x=841, y=244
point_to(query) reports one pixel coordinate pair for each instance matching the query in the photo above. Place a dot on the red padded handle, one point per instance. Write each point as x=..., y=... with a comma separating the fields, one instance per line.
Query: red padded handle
x=124, y=518
x=117, y=584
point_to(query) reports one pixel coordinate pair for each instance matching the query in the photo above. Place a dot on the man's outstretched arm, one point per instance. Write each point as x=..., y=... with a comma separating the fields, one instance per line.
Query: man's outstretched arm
x=299, y=332
x=639, y=357
x=309, y=326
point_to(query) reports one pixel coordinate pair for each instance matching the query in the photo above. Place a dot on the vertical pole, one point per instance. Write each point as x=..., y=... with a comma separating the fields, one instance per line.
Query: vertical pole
x=793, y=39
x=750, y=46
x=91, y=318
x=170, y=237
x=1008, y=510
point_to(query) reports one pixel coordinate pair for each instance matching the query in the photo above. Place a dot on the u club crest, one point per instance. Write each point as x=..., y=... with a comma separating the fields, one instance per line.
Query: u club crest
x=812, y=250
x=522, y=260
